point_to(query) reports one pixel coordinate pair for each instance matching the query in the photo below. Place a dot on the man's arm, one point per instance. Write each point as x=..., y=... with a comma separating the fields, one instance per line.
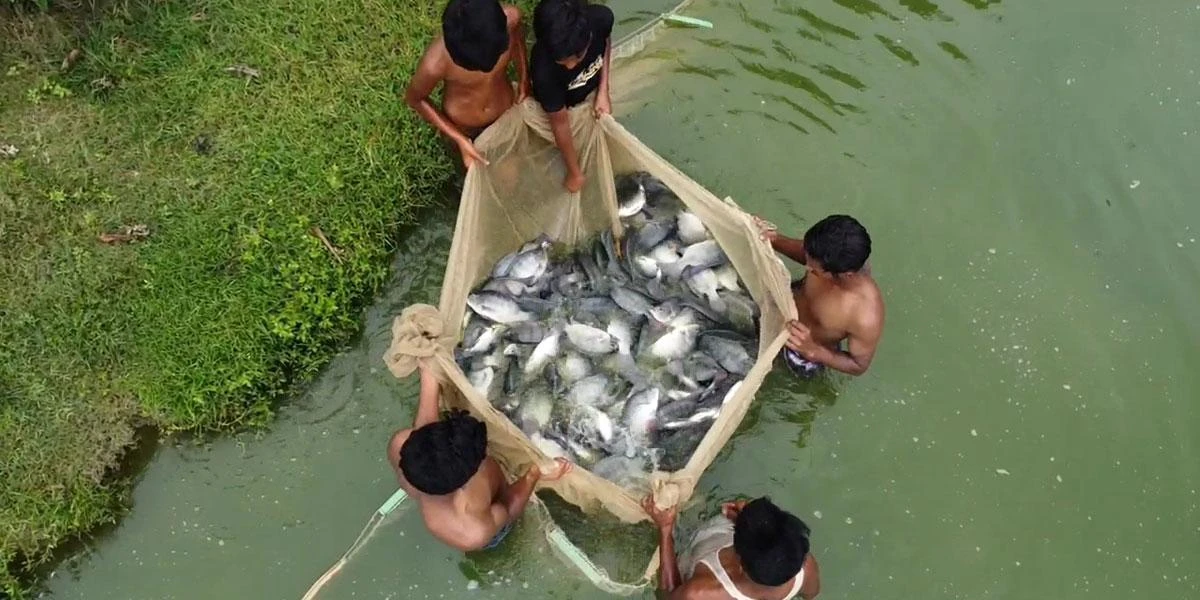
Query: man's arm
x=864, y=338
x=668, y=566
x=516, y=41
x=515, y=497
x=812, y=578
x=789, y=247
x=560, y=124
x=431, y=72
x=427, y=403
x=603, y=102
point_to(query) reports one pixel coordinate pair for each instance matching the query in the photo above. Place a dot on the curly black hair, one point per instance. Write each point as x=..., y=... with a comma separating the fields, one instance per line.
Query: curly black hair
x=441, y=457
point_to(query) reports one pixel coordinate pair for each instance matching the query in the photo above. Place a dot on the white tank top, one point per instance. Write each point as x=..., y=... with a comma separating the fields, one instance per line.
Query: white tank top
x=713, y=537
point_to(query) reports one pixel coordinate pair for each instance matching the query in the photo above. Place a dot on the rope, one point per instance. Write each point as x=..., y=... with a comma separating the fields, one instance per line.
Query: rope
x=395, y=500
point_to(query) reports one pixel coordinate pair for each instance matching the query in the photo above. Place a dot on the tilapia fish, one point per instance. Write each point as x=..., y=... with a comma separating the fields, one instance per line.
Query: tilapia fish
x=616, y=354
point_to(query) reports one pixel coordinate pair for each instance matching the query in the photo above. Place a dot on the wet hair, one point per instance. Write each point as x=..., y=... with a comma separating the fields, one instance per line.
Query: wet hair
x=475, y=33
x=441, y=457
x=562, y=27
x=770, y=542
x=839, y=242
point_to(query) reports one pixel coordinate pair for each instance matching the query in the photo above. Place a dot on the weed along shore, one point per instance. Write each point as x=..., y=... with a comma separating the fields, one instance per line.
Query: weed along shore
x=196, y=201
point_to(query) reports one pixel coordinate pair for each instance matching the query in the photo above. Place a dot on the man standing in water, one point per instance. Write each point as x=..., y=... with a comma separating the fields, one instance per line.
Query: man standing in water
x=752, y=550
x=837, y=300
x=465, y=500
x=570, y=61
x=479, y=39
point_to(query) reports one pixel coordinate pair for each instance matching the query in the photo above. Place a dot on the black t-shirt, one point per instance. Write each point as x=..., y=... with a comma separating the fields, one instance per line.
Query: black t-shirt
x=556, y=87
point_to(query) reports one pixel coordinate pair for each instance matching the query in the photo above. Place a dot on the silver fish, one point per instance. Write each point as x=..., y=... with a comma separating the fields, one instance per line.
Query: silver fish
x=704, y=283
x=622, y=331
x=548, y=447
x=593, y=390
x=590, y=340
x=544, y=352
x=572, y=367
x=702, y=255
x=731, y=355
x=482, y=380
x=653, y=233
x=640, y=413
x=631, y=300
x=534, y=412
x=727, y=278
x=676, y=343
x=624, y=471
x=497, y=307
x=691, y=228
x=531, y=264
x=631, y=197
x=485, y=337
x=510, y=287
x=527, y=332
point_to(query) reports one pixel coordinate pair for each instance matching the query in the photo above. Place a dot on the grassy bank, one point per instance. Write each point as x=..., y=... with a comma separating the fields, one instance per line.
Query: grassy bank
x=231, y=299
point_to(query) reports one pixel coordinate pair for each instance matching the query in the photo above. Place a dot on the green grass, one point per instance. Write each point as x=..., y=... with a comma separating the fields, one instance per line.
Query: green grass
x=231, y=301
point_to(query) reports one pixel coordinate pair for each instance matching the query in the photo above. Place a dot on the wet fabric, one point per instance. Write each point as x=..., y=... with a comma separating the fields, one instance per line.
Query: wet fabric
x=519, y=196
x=500, y=535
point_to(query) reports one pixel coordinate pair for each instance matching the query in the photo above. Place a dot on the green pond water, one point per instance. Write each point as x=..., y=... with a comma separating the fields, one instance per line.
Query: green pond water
x=1028, y=430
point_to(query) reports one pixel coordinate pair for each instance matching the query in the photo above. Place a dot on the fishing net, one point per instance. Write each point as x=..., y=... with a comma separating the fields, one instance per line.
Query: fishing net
x=519, y=196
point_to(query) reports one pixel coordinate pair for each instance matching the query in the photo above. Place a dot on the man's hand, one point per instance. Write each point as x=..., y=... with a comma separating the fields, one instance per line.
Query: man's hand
x=574, y=181
x=602, y=105
x=560, y=469
x=766, y=229
x=470, y=154
x=801, y=342
x=664, y=518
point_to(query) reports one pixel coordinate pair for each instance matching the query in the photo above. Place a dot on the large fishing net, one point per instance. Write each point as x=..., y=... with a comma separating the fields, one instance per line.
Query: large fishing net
x=518, y=197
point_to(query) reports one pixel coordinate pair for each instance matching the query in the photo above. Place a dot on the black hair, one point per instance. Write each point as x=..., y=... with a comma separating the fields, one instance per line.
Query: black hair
x=440, y=457
x=770, y=542
x=475, y=33
x=562, y=27
x=839, y=242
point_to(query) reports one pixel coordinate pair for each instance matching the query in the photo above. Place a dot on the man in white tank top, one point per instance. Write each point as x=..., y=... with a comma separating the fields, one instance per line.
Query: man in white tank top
x=751, y=551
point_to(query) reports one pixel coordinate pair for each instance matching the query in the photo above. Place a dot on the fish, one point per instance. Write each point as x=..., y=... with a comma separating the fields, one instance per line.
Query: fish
x=548, y=447
x=731, y=355
x=573, y=367
x=618, y=354
x=653, y=233
x=593, y=391
x=691, y=228
x=544, y=352
x=631, y=300
x=497, y=308
x=533, y=414
x=590, y=340
x=640, y=413
x=509, y=287
x=702, y=255
x=527, y=332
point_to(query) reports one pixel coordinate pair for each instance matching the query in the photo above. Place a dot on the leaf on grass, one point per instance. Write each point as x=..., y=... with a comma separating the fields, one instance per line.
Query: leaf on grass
x=244, y=71
x=127, y=233
x=9, y=151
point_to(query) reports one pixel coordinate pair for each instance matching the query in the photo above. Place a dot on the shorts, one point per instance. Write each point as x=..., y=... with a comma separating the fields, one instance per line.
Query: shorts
x=499, y=539
x=800, y=366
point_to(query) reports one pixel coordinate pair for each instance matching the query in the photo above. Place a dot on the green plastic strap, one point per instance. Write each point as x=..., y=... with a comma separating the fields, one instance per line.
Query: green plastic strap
x=694, y=22
x=395, y=500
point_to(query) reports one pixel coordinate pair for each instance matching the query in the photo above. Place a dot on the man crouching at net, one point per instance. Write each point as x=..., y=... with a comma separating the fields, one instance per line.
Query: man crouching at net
x=443, y=464
x=837, y=300
x=752, y=550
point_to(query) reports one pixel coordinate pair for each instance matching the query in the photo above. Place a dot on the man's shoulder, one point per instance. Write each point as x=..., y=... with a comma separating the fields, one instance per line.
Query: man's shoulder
x=601, y=17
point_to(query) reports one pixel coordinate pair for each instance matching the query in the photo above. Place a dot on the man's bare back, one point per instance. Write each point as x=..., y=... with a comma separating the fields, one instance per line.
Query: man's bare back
x=471, y=99
x=836, y=303
x=477, y=512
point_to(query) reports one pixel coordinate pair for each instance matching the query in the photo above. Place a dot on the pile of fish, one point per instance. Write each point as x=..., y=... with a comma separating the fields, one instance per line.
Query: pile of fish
x=615, y=355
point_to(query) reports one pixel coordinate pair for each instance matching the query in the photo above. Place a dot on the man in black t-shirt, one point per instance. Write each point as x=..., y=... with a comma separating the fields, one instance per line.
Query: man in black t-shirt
x=569, y=62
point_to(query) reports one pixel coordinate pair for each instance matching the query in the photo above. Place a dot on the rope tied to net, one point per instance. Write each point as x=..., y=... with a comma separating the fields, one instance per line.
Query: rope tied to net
x=419, y=333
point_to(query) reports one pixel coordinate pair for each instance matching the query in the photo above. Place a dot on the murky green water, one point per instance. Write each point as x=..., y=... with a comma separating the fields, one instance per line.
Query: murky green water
x=1029, y=429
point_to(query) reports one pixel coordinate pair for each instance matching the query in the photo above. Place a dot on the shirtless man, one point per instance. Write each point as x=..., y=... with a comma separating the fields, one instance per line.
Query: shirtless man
x=751, y=551
x=480, y=38
x=837, y=300
x=465, y=500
